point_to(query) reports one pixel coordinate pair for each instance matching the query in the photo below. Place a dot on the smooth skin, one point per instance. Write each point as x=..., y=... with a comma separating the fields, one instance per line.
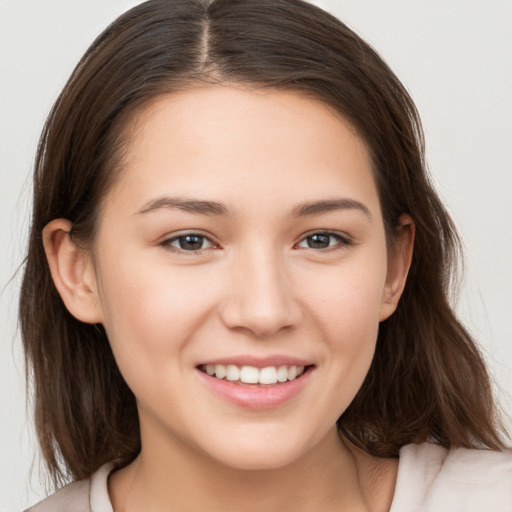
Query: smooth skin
x=290, y=259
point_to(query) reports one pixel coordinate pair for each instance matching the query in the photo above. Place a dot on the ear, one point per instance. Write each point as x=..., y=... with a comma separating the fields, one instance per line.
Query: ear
x=398, y=266
x=72, y=272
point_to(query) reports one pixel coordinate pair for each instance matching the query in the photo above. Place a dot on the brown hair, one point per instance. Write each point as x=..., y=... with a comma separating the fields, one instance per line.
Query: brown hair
x=427, y=380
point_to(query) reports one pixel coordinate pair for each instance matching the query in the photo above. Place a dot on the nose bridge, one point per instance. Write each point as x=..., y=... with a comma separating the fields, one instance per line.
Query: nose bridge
x=261, y=296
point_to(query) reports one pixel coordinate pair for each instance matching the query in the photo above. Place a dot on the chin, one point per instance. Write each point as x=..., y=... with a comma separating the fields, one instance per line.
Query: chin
x=258, y=460
x=261, y=451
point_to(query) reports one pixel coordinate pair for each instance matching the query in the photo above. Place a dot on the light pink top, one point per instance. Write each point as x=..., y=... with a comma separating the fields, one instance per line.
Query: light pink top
x=430, y=479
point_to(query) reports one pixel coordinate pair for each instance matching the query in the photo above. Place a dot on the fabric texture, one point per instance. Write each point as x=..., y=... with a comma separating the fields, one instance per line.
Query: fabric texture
x=433, y=479
x=430, y=479
x=89, y=495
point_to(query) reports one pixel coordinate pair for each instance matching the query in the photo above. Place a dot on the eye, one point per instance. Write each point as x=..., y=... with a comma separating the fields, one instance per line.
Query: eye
x=188, y=242
x=323, y=240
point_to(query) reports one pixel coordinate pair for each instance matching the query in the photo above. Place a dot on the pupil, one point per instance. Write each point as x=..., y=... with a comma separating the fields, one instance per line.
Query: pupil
x=191, y=242
x=318, y=241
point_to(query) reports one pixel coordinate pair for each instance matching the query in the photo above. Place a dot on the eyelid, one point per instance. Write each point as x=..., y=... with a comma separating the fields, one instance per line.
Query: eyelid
x=168, y=239
x=343, y=239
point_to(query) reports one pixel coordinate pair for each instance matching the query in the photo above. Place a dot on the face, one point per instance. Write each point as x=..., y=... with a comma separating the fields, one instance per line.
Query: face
x=241, y=272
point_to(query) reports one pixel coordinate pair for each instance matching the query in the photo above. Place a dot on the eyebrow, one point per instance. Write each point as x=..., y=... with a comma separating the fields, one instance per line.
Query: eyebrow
x=188, y=205
x=214, y=208
x=329, y=205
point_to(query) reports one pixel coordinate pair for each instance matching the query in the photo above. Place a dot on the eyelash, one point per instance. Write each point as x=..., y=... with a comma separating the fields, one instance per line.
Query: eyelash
x=167, y=243
x=341, y=241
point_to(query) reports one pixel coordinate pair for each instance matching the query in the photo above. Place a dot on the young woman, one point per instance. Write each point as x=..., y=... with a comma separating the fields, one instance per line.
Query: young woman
x=236, y=291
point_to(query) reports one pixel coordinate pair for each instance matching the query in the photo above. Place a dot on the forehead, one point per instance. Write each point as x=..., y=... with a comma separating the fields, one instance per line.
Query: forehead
x=238, y=144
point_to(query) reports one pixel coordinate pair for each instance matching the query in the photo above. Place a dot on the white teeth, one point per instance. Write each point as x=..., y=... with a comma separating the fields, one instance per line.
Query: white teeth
x=253, y=375
x=268, y=375
x=249, y=375
x=282, y=374
x=232, y=372
x=220, y=371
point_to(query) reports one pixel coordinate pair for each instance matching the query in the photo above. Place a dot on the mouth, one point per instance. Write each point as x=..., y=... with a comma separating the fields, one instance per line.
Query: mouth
x=257, y=383
x=245, y=375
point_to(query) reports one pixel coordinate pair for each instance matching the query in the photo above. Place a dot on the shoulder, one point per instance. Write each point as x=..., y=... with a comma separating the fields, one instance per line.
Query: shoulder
x=432, y=478
x=89, y=495
x=73, y=497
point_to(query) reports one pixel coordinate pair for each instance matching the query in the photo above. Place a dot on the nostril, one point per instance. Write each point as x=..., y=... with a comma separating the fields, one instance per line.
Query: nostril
x=260, y=322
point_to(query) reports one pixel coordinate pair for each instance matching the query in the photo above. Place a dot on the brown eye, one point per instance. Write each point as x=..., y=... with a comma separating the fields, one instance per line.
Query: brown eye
x=191, y=242
x=319, y=241
x=323, y=240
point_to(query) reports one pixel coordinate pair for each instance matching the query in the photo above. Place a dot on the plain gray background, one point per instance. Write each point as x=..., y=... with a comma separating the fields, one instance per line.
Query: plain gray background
x=455, y=58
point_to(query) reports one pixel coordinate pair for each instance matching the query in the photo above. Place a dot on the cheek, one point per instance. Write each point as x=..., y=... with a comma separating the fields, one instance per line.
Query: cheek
x=345, y=307
x=150, y=314
x=347, y=301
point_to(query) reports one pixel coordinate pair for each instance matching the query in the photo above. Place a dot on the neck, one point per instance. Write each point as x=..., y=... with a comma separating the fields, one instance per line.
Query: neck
x=174, y=476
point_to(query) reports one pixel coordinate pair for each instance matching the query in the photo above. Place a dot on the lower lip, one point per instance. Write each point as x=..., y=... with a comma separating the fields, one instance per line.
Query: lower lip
x=254, y=396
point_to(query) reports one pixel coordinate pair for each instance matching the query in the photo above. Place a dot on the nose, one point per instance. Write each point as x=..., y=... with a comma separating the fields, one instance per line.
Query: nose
x=260, y=297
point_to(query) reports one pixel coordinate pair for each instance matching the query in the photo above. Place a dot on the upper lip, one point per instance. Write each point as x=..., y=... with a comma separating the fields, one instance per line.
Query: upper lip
x=259, y=362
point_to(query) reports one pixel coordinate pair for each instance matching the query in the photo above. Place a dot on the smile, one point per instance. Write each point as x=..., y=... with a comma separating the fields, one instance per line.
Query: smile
x=256, y=385
x=251, y=375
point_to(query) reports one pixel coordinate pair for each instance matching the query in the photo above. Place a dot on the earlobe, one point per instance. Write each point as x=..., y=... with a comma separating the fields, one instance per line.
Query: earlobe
x=398, y=266
x=72, y=272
